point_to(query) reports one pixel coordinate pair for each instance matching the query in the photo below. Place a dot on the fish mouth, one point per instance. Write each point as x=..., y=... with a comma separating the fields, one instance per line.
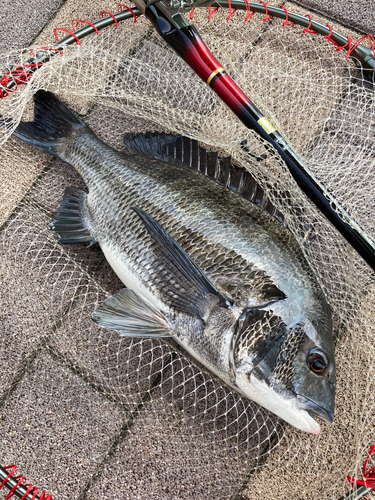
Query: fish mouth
x=314, y=409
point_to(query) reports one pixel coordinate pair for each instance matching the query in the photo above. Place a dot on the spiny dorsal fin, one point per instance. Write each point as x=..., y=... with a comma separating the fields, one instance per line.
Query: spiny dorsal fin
x=177, y=148
x=184, y=285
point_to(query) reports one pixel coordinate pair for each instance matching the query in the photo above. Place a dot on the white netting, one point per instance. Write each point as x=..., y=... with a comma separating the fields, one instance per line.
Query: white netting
x=128, y=80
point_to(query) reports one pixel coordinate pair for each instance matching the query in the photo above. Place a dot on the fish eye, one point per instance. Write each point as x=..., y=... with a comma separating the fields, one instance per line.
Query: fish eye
x=317, y=363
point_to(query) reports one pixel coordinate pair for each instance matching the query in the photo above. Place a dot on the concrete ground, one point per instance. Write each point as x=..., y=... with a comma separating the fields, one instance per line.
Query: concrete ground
x=123, y=424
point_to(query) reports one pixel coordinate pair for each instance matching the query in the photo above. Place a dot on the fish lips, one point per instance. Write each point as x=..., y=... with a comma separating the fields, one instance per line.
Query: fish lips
x=314, y=409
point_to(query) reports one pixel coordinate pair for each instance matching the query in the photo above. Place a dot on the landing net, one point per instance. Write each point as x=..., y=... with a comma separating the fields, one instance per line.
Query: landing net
x=142, y=405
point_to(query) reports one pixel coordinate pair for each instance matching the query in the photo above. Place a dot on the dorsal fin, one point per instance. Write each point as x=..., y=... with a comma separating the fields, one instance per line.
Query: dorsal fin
x=177, y=148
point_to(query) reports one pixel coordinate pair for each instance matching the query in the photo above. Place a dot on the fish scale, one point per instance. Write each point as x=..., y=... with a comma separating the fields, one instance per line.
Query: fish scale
x=201, y=264
x=162, y=190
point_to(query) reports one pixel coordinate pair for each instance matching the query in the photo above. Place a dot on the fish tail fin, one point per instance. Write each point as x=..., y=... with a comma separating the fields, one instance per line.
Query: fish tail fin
x=53, y=127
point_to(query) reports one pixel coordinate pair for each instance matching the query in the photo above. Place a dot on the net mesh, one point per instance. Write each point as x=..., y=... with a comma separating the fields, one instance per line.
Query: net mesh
x=63, y=376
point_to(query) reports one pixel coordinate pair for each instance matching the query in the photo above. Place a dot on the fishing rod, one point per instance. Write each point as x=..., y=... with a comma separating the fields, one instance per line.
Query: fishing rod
x=185, y=40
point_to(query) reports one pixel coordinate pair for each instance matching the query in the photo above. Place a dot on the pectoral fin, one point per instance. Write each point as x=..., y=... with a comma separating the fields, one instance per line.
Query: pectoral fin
x=183, y=285
x=132, y=316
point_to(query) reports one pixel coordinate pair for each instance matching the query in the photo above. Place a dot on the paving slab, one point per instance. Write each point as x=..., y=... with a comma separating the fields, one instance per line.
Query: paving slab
x=111, y=124
x=20, y=165
x=165, y=91
x=353, y=115
x=48, y=190
x=54, y=425
x=122, y=367
x=87, y=11
x=38, y=281
x=192, y=440
x=359, y=14
x=306, y=65
x=98, y=70
x=20, y=21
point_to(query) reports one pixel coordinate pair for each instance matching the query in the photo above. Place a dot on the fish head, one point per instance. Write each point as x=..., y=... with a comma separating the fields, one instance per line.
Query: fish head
x=286, y=362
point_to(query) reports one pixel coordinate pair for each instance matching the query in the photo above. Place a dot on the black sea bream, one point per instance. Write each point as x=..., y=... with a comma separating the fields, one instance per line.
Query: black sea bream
x=201, y=264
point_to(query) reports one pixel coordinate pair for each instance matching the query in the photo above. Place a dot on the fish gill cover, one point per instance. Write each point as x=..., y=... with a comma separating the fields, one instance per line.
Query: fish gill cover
x=85, y=390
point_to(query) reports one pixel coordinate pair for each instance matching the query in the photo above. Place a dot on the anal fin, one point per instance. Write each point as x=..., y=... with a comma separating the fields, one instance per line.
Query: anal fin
x=70, y=221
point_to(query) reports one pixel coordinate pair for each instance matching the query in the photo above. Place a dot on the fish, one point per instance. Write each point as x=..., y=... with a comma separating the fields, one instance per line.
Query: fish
x=201, y=265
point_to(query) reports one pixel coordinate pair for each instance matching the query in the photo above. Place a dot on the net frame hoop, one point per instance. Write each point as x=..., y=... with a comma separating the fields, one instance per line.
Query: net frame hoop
x=14, y=484
x=363, y=55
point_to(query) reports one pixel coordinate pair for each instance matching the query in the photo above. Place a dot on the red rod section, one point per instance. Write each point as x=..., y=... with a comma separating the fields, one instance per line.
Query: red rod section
x=185, y=40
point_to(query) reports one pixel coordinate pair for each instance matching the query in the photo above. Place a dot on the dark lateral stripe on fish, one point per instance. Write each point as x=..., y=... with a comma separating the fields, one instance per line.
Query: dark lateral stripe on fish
x=167, y=147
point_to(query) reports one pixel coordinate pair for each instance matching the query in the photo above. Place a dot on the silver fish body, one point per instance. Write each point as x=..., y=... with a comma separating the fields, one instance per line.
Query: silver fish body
x=223, y=278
